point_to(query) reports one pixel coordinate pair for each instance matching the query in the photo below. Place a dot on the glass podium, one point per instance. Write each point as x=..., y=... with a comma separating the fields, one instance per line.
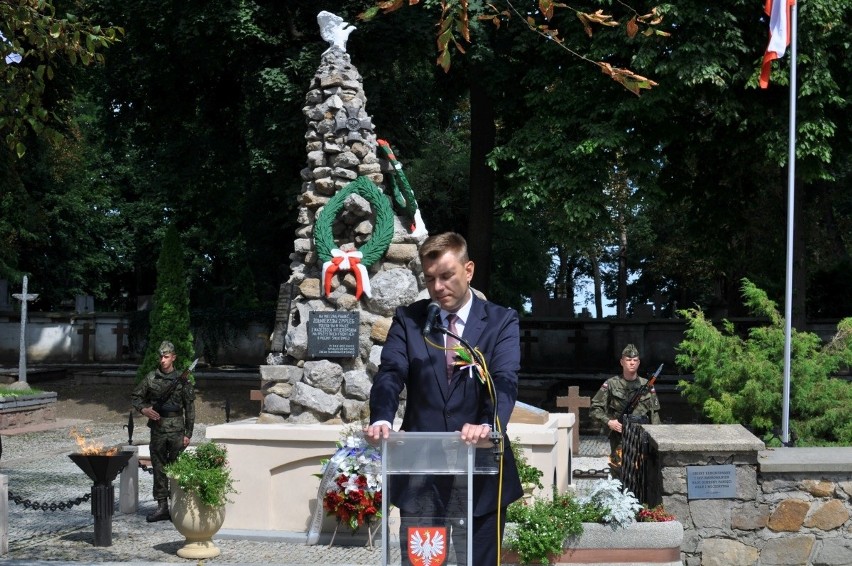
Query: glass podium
x=428, y=477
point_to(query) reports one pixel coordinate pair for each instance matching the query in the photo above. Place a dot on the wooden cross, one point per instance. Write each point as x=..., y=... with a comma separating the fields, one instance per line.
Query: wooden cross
x=119, y=332
x=574, y=403
x=86, y=331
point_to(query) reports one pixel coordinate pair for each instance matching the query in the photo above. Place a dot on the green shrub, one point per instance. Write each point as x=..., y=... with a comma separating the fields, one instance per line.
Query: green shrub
x=528, y=473
x=740, y=380
x=540, y=529
x=5, y=392
x=204, y=472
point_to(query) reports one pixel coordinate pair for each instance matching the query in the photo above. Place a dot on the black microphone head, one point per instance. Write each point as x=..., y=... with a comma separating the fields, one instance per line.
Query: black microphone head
x=433, y=311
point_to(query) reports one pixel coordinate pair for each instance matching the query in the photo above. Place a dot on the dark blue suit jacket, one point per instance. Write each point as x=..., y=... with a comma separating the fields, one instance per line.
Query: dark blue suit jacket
x=434, y=405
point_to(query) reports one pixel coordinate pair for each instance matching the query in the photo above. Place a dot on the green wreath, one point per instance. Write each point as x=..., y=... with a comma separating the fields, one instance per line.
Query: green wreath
x=382, y=234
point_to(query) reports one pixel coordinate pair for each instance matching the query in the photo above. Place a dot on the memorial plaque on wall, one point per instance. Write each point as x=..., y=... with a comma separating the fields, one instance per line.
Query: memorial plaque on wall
x=711, y=482
x=333, y=334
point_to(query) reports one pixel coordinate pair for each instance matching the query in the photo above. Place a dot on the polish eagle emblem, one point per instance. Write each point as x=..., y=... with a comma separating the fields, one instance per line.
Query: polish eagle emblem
x=427, y=546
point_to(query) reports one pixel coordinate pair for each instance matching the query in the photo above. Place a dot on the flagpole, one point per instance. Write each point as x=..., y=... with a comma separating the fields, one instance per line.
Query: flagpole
x=791, y=199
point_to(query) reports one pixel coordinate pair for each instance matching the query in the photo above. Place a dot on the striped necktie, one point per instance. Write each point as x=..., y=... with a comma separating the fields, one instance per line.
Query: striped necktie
x=451, y=343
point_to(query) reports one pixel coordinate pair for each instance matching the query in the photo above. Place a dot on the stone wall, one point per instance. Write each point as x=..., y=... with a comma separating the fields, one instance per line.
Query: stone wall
x=27, y=410
x=792, y=505
x=65, y=338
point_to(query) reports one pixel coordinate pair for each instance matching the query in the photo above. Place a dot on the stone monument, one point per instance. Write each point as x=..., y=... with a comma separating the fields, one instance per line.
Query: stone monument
x=355, y=261
x=351, y=268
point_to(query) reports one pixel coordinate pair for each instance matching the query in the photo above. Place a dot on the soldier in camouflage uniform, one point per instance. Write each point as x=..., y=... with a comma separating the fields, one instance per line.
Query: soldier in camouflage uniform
x=170, y=419
x=610, y=400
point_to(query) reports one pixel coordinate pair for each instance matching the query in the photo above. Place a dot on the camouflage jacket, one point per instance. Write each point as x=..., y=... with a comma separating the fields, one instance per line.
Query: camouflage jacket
x=609, y=401
x=148, y=392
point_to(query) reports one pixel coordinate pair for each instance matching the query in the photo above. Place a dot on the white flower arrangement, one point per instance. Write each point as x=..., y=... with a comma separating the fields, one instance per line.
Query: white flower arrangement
x=619, y=504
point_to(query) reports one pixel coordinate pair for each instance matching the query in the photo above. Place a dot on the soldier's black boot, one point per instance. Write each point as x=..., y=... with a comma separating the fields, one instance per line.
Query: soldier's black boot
x=162, y=512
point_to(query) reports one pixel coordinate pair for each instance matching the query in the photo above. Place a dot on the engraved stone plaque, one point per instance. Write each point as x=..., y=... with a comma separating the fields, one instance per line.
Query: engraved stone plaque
x=711, y=482
x=333, y=334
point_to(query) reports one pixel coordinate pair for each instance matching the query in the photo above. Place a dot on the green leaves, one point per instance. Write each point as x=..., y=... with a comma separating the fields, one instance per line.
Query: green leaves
x=739, y=380
x=51, y=41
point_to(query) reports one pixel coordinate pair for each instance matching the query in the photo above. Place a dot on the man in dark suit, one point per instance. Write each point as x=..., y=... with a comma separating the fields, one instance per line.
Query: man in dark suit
x=441, y=397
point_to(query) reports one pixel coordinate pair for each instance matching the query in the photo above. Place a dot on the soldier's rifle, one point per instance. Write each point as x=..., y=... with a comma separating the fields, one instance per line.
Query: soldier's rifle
x=630, y=406
x=182, y=378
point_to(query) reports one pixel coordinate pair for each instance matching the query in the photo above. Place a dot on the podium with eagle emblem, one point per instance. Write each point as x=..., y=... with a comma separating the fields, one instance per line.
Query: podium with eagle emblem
x=429, y=477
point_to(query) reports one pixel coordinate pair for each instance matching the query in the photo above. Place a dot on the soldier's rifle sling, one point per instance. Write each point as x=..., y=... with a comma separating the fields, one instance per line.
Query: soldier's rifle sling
x=182, y=378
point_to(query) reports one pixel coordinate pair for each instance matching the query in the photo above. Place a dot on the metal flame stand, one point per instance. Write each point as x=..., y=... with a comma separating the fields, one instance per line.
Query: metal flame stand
x=102, y=469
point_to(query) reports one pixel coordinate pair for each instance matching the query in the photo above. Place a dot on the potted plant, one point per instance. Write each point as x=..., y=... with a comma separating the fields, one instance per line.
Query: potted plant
x=538, y=529
x=593, y=526
x=200, y=484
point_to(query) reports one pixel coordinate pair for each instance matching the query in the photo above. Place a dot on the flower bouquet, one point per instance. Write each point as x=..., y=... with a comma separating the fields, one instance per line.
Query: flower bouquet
x=354, y=494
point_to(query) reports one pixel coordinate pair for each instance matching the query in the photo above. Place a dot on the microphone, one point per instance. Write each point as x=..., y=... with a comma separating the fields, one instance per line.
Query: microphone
x=433, y=312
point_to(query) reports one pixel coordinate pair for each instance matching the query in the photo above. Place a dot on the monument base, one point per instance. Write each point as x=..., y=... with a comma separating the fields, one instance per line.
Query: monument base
x=276, y=465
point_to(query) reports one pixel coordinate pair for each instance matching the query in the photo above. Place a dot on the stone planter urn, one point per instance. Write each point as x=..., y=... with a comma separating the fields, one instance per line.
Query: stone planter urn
x=640, y=543
x=197, y=522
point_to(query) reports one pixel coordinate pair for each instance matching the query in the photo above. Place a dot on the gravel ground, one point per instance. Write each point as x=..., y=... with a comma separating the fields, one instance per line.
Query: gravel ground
x=38, y=469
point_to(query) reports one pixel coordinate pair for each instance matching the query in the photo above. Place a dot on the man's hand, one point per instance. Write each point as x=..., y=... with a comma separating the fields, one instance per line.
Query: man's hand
x=376, y=432
x=151, y=413
x=614, y=424
x=185, y=441
x=474, y=433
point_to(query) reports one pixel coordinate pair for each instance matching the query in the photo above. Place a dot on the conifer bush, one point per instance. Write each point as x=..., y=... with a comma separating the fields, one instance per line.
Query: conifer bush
x=740, y=379
x=169, y=318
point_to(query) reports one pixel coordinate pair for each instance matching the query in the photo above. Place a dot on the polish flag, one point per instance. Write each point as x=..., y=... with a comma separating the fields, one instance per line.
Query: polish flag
x=779, y=35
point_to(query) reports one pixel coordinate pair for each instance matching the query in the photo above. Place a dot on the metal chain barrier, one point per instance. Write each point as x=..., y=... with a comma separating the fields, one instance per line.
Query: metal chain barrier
x=635, y=448
x=61, y=505
x=45, y=506
x=591, y=473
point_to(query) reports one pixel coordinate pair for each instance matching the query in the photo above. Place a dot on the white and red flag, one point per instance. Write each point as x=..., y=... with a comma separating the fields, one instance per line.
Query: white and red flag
x=779, y=35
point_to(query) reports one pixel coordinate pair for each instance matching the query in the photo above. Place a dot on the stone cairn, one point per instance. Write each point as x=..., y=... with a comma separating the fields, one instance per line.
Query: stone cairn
x=341, y=146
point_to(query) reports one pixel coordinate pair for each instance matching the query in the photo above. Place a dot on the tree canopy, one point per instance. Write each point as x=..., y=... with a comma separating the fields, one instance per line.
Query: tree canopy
x=552, y=170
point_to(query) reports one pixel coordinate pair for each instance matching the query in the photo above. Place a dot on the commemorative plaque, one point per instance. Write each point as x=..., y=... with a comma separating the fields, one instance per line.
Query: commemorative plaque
x=333, y=334
x=711, y=482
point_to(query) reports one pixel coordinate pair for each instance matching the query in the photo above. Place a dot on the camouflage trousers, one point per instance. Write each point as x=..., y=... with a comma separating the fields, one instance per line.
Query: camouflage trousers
x=165, y=448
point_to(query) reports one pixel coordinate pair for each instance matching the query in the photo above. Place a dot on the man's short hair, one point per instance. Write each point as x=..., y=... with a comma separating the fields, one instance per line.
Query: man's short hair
x=439, y=244
x=166, y=348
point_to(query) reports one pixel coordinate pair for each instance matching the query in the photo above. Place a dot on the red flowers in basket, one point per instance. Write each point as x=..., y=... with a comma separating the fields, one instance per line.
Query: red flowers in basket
x=355, y=497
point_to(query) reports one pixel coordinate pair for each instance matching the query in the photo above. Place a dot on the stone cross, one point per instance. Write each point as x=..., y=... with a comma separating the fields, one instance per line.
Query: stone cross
x=24, y=297
x=119, y=332
x=86, y=331
x=528, y=339
x=574, y=402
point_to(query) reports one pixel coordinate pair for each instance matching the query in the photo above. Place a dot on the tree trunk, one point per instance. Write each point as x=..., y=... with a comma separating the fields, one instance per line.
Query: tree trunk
x=621, y=303
x=596, y=276
x=480, y=228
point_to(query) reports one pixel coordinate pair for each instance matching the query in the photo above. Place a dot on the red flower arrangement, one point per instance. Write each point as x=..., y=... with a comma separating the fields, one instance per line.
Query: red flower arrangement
x=654, y=515
x=355, y=496
x=353, y=506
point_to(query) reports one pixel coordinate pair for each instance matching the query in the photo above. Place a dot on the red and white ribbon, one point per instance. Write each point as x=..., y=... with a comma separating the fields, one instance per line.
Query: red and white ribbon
x=346, y=261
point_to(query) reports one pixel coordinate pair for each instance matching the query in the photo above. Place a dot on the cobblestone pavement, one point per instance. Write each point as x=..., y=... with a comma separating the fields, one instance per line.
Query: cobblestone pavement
x=38, y=469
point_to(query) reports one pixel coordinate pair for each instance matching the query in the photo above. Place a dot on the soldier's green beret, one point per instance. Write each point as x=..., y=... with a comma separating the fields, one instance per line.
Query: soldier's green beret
x=167, y=348
x=630, y=351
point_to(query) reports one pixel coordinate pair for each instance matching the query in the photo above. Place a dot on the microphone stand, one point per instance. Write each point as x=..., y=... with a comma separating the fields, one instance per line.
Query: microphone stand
x=496, y=436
